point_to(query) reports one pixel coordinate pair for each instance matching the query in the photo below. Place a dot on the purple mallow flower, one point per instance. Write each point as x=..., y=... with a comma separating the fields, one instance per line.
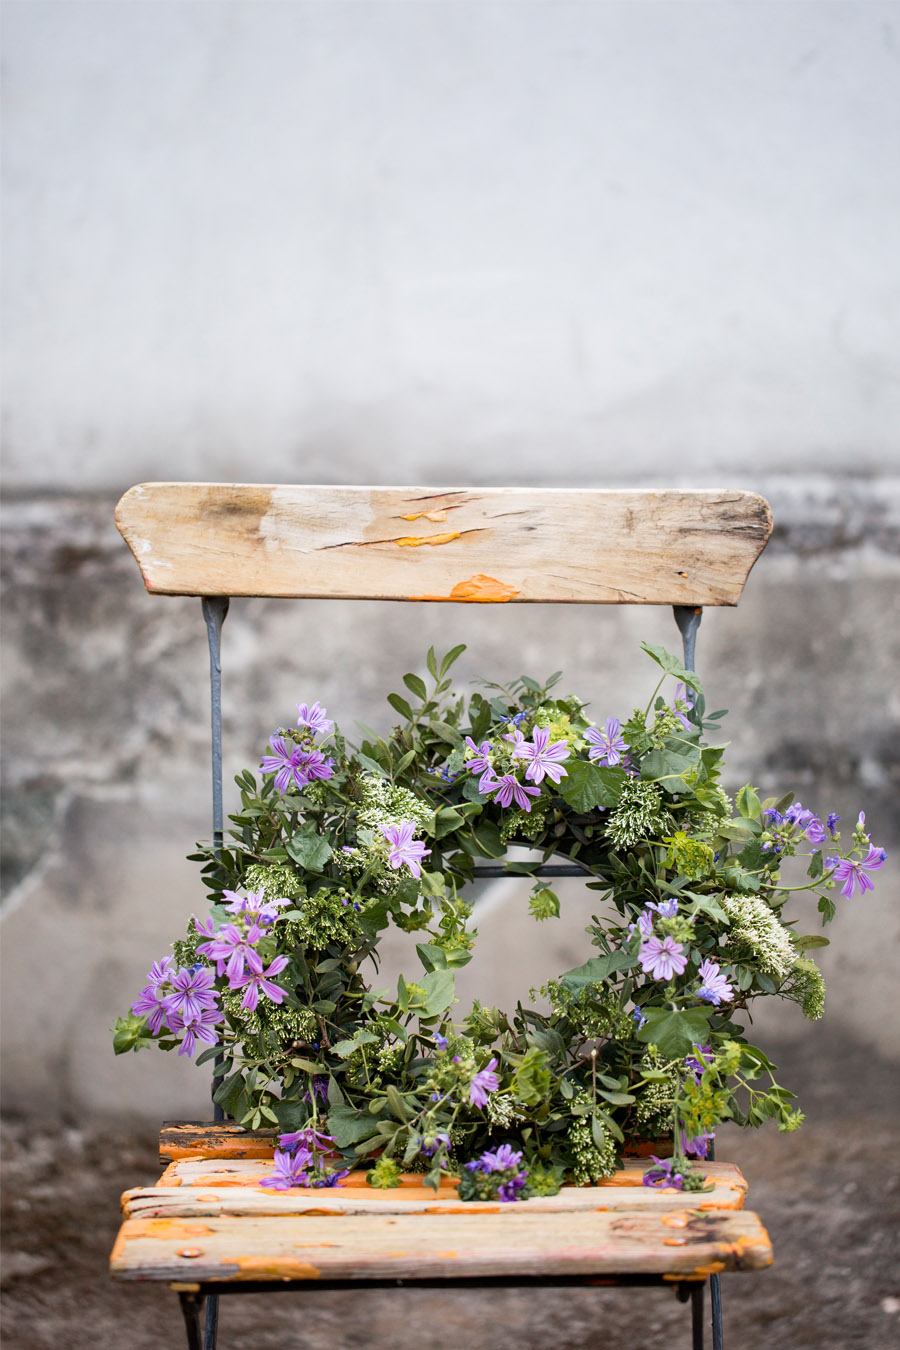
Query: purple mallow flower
x=199, y=1025
x=254, y=906
x=289, y=1169
x=234, y=951
x=698, y=1147
x=666, y=909
x=192, y=991
x=662, y=958
x=855, y=873
x=479, y=761
x=292, y=765
x=714, y=987
x=404, y=849
x=260, y=982
x=153, y=1004
x=161, y=971
x=545, y=760
x=697, y=1063
x=663, y=1174
x=831, y=824
x=483, y=1084
x=607, y=746
x=508, y=789
x=313, y=717
x=681, y=705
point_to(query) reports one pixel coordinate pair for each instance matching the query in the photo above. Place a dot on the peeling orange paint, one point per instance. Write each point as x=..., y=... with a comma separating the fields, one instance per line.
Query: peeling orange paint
x=479, y=590
x=675, y=1220
x=416, y=540
x=434, y=516
x=714, y=1268
x=674, y=1242
x=276, y=1268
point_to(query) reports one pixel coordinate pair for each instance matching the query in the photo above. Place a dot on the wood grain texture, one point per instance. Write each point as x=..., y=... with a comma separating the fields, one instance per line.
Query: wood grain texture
x=490, y=545
x=515, y=1243
x=202, y=1188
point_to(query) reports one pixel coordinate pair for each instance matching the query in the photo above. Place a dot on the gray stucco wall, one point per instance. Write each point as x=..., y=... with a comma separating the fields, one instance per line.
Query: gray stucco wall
x=551, y=243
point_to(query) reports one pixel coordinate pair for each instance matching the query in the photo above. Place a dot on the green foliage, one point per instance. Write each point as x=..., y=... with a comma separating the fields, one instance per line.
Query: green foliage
x=386, y=1070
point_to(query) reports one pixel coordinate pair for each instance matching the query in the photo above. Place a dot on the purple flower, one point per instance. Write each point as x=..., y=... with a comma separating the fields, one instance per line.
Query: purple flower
x=508, y=789
x=404, y=849
x=161, y=971
x=192, y=992
x=682, y=703
x=697, y=1063
x=698, y=1147
x=607, y=746
x=233, y=951
x=153, y=1004
x=260, y=982
x=501, y=1160
x=314, y=718
x=508, y=1191
x=662, y=958
x=639, y=1018
x=253, y=906
x=308, y=1138
x=662, y=1174
x=545, y=760
x=289, y=1170
x=319, y=1089
x=798, y=815
x=483, y=1084
x=440, y=1041
x=428, y=1147
x=715, y=987
x=199, y=1025
x=295, y=765
x=666, y=909
x=815, y=831
x=855, y=873
x=832, y=824
x=479, y=761
x=643, y=924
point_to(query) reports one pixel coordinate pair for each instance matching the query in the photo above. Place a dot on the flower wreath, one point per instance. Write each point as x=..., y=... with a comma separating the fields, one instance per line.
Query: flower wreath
x=645, y=1041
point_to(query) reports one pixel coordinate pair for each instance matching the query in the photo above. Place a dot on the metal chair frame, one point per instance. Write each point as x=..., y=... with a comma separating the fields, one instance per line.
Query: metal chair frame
x=200, y=1305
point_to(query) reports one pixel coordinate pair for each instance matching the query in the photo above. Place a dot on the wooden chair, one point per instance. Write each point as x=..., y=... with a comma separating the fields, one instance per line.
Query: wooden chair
x=207, y=1228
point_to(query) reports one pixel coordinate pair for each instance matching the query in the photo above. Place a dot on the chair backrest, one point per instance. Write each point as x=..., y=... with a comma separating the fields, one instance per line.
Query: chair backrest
x=482, y=545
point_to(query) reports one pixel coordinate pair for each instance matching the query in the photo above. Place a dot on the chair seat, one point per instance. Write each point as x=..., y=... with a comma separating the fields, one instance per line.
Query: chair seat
x=208, y=1220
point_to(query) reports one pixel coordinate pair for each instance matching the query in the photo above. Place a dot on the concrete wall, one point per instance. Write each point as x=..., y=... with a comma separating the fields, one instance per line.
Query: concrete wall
x=559, y=243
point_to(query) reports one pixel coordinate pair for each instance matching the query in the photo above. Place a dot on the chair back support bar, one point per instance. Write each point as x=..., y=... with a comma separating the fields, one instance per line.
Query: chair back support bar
x=485, y=545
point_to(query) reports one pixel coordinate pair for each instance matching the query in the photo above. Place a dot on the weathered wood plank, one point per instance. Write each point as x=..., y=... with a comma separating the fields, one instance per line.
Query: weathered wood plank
x=203, y=1189
x=484, y=545
x=686, y=1243
x=179, y=1139
x=205, y=1139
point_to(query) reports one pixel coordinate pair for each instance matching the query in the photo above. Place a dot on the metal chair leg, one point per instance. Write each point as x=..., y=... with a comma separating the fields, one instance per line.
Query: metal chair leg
x=191, y=1306
x=697, y=1316
x=715, y=1298
x=211, y=1329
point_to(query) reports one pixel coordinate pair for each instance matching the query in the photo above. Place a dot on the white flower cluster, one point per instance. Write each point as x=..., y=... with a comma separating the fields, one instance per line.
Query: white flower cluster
x=756, y=933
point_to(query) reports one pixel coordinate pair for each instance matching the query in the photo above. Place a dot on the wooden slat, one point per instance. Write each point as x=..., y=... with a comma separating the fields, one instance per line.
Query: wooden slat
x=485, y=545
x=688, y=1243
x=179, y=1139
x=205, y=1189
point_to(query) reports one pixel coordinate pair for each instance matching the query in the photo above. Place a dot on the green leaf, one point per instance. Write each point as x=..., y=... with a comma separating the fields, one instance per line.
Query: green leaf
x=446, y=821
x=671, y=665
x=669, y=766
x=453, y=655
x=432, y=956
x=598, y=1134
x=400, y=705
x=589, y=785
x=598, y=969
x=617, y=1098
x=748, y=803
x=397, y=1103
x=805, y=944
x=416, y=685
x=130, y=1033
x=348, y=1126
x=487, y=837
x=344, y=1049
x=674, y=1033
x=440, y=990
x=309, y=849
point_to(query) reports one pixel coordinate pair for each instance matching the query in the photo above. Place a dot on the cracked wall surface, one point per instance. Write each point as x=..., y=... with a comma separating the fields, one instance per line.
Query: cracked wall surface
x=106, y=735
x=553, y=244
